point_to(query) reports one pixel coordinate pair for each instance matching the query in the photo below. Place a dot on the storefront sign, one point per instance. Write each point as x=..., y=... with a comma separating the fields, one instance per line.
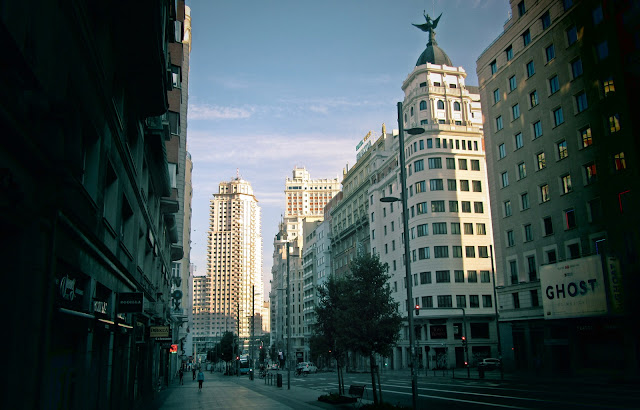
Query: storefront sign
x=573, y=288
x=159, y=331
x=130, y=302
x=615, y=285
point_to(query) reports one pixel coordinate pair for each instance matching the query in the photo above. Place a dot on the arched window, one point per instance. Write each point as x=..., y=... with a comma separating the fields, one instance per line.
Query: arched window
x=456, y=106
x=423, y=105
x=440, y=105
x=412, y=111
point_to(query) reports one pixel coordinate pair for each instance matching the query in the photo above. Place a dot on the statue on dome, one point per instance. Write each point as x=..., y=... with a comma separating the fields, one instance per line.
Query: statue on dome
x=429, y=27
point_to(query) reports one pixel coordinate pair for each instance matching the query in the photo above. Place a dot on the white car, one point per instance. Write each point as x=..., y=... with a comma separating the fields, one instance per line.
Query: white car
x=307, y=367
x=490, y=363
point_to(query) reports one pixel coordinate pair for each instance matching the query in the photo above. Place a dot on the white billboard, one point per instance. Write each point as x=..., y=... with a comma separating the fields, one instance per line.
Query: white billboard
x=573, y=288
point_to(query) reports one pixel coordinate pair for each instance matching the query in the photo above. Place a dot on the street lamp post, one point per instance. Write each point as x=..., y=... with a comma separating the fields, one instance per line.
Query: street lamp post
x=407, y=253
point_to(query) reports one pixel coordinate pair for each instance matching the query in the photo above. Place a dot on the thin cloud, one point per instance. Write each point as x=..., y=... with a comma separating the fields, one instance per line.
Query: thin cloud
x=213, y=112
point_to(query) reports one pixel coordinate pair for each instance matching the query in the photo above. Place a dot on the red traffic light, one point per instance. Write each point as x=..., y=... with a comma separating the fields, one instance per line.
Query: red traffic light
x=173, y=349
x=418, y=310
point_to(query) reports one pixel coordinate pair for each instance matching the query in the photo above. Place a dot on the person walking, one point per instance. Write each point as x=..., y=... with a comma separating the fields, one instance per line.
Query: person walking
x=200, y=379
x=181, y=374
x=194, y=372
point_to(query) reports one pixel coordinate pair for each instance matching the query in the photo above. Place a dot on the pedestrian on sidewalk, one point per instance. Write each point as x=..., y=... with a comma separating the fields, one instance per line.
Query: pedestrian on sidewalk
x=194, y=373
x=181, y=373
x=200, y=379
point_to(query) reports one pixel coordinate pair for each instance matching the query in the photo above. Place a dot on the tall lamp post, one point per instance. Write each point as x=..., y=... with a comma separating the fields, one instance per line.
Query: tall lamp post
x=407, y=253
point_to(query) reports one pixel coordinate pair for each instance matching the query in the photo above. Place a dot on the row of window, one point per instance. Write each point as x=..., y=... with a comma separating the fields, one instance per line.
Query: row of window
x=445, y=301
x=437, y=184
x=440, y=228
x=442, y=251
x=444, y=276
x=439, y=206
x=441, y=143
x=436, y=163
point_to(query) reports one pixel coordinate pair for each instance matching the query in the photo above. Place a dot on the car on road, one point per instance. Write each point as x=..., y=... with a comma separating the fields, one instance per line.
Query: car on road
x=490, y=363
x=307, y=367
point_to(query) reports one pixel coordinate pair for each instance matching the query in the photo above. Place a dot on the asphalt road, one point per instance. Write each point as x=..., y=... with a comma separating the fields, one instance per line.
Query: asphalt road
x=445, y=392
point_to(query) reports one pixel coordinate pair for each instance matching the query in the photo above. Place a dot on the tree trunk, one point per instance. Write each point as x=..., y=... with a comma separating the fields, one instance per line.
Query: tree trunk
x=372, y=368
x=379, y=384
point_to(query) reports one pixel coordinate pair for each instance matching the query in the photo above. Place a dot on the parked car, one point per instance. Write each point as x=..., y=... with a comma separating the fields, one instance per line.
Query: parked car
x=307, y=367
x=490, y=363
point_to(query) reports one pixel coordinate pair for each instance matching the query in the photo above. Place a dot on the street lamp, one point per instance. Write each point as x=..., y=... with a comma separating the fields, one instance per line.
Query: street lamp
x=407, y=258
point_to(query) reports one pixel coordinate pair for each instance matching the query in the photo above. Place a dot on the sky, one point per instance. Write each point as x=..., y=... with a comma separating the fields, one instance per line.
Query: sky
x=285, y=83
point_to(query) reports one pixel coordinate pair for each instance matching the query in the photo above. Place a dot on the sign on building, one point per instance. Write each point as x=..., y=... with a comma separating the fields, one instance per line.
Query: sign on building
x=159, y=331
x=130, y=302
x=573, y=288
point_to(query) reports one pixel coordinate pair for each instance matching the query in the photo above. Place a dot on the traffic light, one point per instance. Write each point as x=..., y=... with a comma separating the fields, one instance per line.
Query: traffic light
x=173, y=349
x=464, y=341
x=417, y=310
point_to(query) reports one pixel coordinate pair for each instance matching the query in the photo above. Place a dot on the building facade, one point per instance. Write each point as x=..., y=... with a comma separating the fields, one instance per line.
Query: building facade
x=556, y=88
x=87, y=203
x=448, y=217
x=229, y=297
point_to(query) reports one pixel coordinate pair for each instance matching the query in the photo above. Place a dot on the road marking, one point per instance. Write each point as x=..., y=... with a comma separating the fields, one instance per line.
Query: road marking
x=458, y=400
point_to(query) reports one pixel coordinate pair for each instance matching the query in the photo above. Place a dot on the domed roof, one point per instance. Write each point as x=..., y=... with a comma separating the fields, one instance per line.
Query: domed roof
x=434, y=55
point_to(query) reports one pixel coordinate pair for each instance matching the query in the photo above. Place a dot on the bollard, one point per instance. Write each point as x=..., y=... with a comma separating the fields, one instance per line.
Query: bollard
x=279, y=380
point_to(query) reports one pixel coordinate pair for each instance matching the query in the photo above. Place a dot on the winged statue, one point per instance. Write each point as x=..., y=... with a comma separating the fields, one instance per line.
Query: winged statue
x=429, y=26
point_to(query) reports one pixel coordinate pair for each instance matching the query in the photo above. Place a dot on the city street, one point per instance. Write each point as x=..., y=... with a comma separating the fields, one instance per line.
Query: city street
x=440, y=392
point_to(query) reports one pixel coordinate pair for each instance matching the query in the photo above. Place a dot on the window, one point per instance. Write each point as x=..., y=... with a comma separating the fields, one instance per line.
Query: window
x=441, y=251
x=515, y=111
x=440, y=105
x=477, y=186
x=481, y=229
x=424, y=253
x=451, y=163
x=507, y=208
x=534, y=296
x=445, y=301
x=531, y=69
x=475, y=165
x=470, y=251
x=421, y=208
x=554, y=84
x=484, y=276
x=483, y=251
x=478, y=207
x=456, y=106
x=424, y=122
x=524, y=201
x=496, y=95
x=505, y=179
x=421, y=186
x=418, y=165
x=510, y=239
x=509, y=53
x=455, y=228
x=512, y=83
x=516, y=300
x=518, y=140
x=576, y=68
x=566, y=183
x=558, y=116
x=174, y=122
x=423, y=105
x=437, y=206
x=585, y=136
x=425, y=278
x=472, y=276
x=581, y=101
x=551, y=256
x=546, y=20
x=429, y=143
x=423, y=230
x=464, y=185
x=499, y=123
x=590, y=173
x=494, y=67
x=427, y=301
x=597, y=15
x=608, y=86
x=614, y=123
x=462, y=164
x=435, y=163
x=562, y=149
x=486, y=301
x=453, y=206
x=474, y=301
x=528, y=233
x=619, y=162
x=526, y=38
x=439, y=228
x=456, y=251
x=572, y=35
x=458, y=276
x=451, y=184
x=521, y=9
x=502, y=151
x=468, y=228
x=602, y=50
x=436, y=184
x=176, y=79
x=541, y=162
x=513, y=267
x=544, y=192
x=537, y=129
x=372, y=217
x=550, y=53
x=522, y=171
x=531, y=263
x=569, y=219
x=466, y=206
x=548, y=226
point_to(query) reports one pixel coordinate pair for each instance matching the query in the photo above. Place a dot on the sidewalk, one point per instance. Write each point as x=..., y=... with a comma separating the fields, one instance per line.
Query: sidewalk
x=231, y=392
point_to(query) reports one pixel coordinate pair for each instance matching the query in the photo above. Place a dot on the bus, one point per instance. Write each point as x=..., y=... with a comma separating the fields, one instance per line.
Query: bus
x=244, y=364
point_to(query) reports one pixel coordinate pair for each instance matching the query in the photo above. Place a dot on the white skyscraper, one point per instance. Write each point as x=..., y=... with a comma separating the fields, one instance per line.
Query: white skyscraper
x=230, y=294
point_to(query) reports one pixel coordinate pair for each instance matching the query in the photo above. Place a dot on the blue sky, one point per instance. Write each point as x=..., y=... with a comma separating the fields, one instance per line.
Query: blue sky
x=284, y=83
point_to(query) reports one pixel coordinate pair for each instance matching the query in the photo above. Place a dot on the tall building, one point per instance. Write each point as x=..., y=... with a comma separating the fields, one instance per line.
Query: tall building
x=87, y=206
x=229, y=297
x=448, y=216
x=557, y=88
